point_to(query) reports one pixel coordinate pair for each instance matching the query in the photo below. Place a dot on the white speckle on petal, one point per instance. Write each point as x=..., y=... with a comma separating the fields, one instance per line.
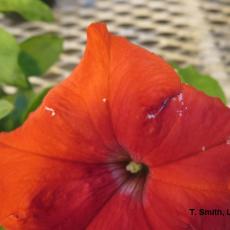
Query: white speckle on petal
x=203, y=148
x=180, y=113
x=51, y=110
x=151, y=116
x=180, y=97
x=104, y=99
x=181, y=106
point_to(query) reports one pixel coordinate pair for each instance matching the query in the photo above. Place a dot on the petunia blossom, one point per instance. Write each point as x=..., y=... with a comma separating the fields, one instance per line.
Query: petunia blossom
x=120, y=144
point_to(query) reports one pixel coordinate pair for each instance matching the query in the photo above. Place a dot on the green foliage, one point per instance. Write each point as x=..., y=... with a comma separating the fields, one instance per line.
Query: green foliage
x=39, y=53
x=32, y=57
x=24, y=102
x=2, y=93
x=34, y=102
x=18, y=62
x=10, y=72
x=5, y=108
x=20, y=100
x=31, y=10
x=1, y=228
x=202, y=82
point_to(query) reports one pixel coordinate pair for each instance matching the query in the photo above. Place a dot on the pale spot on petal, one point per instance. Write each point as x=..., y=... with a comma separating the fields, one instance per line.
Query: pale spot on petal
x=203, y=148
x=179, y=112
x=50, y=110
x=151, y=116
x=104, y=99
x=180, y=97
x=228, y=141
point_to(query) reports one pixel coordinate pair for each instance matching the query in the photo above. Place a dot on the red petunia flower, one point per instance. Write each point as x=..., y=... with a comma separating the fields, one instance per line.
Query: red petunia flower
x=121, y=144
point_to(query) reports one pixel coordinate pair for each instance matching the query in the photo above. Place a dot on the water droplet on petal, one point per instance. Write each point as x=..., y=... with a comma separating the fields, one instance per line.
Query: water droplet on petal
x=50, y=110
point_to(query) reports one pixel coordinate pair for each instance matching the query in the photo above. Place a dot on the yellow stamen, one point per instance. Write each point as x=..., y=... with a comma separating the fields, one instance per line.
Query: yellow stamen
x=134, y=167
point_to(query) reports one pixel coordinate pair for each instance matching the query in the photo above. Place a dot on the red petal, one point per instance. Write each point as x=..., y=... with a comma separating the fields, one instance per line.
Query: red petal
x=73, y=122
x=140, y=82
x=106, y=98
x=124, y=210
x=190, y=168
x=44, y=193
x=168, y=205
x=59, y=152
x=53, y=171
x=190, y=124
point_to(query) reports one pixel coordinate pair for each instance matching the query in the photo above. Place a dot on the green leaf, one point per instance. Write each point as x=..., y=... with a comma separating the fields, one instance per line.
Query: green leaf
x=2, y=92
x=5, y=108
x=10, y=71
x=32, y=10
x=39, y=53
x=20, y=100
x=24, y=103
x=1, y=228
x=204, y=83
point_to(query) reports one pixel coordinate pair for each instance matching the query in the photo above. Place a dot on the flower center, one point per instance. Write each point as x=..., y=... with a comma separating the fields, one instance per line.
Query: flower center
x=134, y=167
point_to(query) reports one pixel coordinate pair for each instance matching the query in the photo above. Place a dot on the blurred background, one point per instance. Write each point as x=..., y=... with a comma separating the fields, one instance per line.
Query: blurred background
x=184, y=32
x=191, y=32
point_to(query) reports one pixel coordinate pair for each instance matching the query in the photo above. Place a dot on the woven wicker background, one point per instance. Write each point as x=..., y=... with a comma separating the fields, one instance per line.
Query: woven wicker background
x=187, y=32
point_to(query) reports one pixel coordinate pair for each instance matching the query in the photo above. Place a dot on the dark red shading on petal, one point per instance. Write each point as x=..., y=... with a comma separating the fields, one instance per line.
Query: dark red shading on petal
x=124, y=210
x=43, y=193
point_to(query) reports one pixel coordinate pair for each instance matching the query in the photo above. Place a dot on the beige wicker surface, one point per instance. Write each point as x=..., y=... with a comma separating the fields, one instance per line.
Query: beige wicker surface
x=187, y=32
